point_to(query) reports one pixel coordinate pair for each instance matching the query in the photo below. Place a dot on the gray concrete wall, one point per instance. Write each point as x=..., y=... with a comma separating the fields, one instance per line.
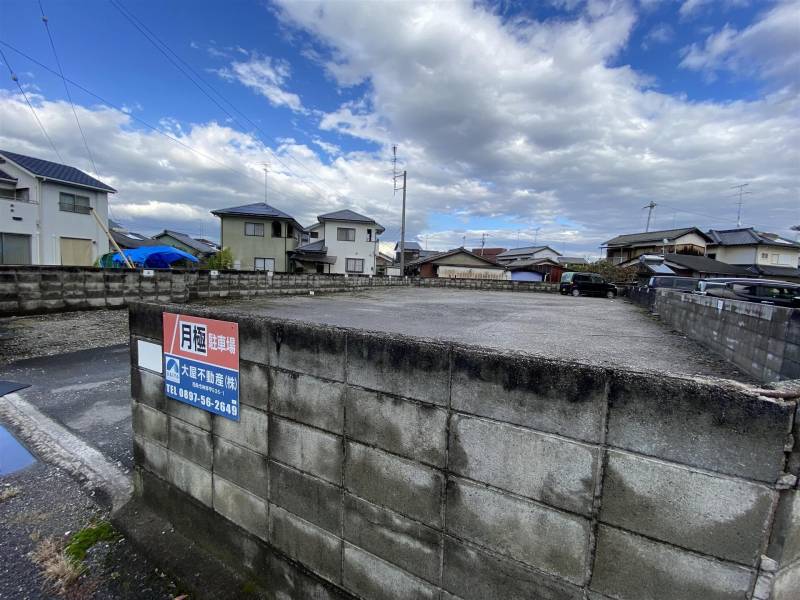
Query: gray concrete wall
x=761, y=339
x=389, y=467
x=34, y=290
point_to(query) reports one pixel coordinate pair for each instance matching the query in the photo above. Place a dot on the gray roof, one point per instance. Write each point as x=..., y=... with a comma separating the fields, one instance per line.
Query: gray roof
x=132, y=240
x=703, y=264
x=188, y=240
x=56, y=171
x=440, y=255
x=257, y=209
x=572, y=260
x=6, y=177
x=524, y=251
x=348, y=215
x=775, y=271
x=652, y=236
x=747, y=236
x=318, y=246
x=408, y=247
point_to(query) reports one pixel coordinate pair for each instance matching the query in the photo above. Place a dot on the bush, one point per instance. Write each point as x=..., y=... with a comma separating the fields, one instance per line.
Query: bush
x=609, y=271
x=221, y=260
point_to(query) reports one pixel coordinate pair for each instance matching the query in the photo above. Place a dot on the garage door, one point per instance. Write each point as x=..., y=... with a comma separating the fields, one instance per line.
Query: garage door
x=76, y=252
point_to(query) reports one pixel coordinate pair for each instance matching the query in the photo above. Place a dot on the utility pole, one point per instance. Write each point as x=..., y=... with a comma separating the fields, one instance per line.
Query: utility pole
x=651, y=206
x=536, y=235
x=741, y=194
x=266, y=182
x=403, y=231
x=484, y=235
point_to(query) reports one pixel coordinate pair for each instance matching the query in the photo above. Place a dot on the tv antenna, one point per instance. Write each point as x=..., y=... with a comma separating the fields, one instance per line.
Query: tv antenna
x=652, y=207
x=741, y=195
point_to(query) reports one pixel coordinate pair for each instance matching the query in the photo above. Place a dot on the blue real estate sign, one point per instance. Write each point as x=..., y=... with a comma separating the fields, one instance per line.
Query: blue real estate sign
x=201, y=363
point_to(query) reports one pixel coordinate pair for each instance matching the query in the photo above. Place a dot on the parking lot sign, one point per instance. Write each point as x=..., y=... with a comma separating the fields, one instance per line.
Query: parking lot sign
x=201, y=363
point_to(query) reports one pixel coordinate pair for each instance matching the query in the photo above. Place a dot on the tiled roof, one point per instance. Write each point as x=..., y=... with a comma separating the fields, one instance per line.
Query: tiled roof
x=132, y=240
x=441, y=255
x=408, y=247
x=652, y=236
x=56, y=171
x=775, y=271
x=703, y=264
x=747, y=236
x=524, y=251
x=572, y=260
x=257, y=209
x=349, y=215
x=189, y=241
x=318, y=246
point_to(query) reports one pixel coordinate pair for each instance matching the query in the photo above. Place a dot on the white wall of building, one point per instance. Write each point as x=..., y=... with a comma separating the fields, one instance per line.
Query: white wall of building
x=453, y=272
x=46, y=223
x=361, y=248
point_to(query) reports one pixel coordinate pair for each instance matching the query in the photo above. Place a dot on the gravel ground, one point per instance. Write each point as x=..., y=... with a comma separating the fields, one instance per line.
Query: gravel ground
x=113, y=569
x=57, y=333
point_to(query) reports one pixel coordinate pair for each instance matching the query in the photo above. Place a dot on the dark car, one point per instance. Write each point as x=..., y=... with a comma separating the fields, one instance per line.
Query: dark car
x=763, y=291
x=586, y=284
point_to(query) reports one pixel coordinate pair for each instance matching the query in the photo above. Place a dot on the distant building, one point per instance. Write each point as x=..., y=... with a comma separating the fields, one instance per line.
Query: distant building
x=459, y=263
x=382, y=262
x=185, y=242
x=46, y=213
x=412, y=251
x=488, y=252
x=763, y=254
x=526, y=253
x=687, y=265
x=259, y=236
x=572, y=260
x=342, y=242
x=536, y=269
x=128, y=240
x=687, y=240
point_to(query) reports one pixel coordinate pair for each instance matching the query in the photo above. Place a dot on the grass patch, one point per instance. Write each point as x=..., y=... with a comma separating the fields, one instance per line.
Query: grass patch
x=84, y=539
x=59, y=570
x=8, y=492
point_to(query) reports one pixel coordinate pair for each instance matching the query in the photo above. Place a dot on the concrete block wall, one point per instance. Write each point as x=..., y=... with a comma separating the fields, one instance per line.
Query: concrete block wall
x=761, y=339
x=41, y=289
x=376, y=466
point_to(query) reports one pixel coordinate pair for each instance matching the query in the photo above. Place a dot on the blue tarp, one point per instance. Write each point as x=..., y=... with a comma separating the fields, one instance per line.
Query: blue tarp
x=153, y=257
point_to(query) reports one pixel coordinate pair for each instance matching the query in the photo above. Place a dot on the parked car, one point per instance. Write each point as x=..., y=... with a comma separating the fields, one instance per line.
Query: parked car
x=586, y=284
x=764, y=291
x=681, y=284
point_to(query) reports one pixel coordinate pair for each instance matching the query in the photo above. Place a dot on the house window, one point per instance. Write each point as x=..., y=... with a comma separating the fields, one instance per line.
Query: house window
x=277, y=230
x=345, y=234
x=765, y=255
x=775, y=259
x=73, y=203
x=354, y=265
x=15, y=249
x=314, y=235
x=264, y=264
x=289, y=230
x=369, y=235
x=256, y=229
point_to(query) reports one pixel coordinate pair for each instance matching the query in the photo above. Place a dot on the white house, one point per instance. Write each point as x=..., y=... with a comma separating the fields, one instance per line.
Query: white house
x=340, y=242
x=46, y=213
x=527, y=253
x=765, y=254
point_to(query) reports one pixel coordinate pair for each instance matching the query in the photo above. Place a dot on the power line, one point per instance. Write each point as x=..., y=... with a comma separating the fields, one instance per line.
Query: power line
x=174, y=59
x=66, y=87
x=140, y=120
x=15, y=79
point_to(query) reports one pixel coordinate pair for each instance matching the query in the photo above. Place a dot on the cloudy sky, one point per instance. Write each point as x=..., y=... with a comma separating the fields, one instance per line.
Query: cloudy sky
x=554, y=121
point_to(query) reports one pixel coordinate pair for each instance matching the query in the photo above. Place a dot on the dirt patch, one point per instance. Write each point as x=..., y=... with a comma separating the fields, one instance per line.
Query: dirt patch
x=58, y=333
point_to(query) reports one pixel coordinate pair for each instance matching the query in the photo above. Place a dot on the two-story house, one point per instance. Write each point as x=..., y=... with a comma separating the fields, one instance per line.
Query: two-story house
x=764, y=254
x=259, y=236
x=343, y=241
x=526, y=253
x=46, y=213
x=629, y=247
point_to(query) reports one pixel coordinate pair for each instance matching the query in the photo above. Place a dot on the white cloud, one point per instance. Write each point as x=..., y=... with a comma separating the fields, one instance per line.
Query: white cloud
x=659, y=34
x=769, y=48
x=267, y=77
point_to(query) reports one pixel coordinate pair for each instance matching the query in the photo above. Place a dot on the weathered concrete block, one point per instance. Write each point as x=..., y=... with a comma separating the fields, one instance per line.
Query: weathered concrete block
x=146, y=320
x=149, y=455
x=404, y=486
x=253, y=384
x=150, y=423
x=474, y=574
x=310, y=349
x=392, y=537
x=307, y=497
x=240, y=506
x=147, y=387
x=540, y=466
x=370, y=577
x=416, y=431
x=190, y=442
x=249, y=431
x=404, y=367
x=191, y=414
x=307, y=399
x=722, y=517
x=550, y=540
x=564, y=399
x=190, y=477
x=306, y=448
x=318, y=550
x=243, y=467
x=699, y=424
x=630, y=567
x=787, y=583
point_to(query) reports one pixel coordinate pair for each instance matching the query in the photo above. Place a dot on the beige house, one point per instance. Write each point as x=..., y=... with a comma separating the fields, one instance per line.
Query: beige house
x=687, y=240
x=259, y=236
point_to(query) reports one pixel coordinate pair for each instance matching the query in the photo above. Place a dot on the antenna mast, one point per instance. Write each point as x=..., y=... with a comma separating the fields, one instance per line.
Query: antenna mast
x=651, y=206
x=266, y=181
x=741, y=194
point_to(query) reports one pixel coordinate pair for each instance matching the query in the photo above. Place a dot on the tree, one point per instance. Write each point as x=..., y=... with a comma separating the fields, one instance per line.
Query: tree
x=609, y=271
x=221, y=260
